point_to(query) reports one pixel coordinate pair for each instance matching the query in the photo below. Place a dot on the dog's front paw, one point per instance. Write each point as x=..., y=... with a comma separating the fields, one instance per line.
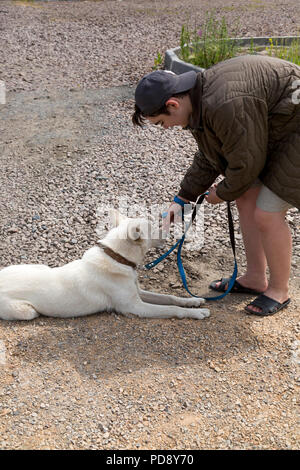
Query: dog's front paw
x=194, y=302
x=200, y=313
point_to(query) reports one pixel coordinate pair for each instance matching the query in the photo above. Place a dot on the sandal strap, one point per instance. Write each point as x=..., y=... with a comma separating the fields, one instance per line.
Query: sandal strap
x=264, y=302
x=224, y=281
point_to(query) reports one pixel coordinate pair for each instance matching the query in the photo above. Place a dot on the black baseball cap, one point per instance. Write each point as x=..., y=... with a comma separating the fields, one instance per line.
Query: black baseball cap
x=155, y=88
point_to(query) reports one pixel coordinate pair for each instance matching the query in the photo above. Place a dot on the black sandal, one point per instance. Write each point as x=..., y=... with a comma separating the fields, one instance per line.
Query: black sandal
x=267, y=305
x=237, y=288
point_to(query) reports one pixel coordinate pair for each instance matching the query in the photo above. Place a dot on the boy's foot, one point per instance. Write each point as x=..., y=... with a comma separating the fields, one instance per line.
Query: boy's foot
x=264, y=306
x=221, y=285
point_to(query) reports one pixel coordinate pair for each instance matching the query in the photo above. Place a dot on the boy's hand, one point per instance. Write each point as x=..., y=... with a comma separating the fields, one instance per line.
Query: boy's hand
x=212, y=197
x=172, y=215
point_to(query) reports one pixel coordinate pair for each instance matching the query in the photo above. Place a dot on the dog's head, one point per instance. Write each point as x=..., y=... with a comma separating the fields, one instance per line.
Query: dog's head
x=140, y=231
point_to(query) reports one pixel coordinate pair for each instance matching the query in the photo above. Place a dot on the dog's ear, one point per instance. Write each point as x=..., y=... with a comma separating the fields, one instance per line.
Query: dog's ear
x=134, y=231
x=116, y=217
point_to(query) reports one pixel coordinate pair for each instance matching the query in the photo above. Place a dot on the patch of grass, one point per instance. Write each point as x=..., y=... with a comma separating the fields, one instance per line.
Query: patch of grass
x=23, y=2
x=28, y=3
x=158, y=62
x=290, y=53
x=209, y=44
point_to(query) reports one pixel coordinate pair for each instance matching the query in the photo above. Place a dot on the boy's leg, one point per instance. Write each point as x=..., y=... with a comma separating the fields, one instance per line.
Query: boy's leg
x=277, y=243
x=255, y=276
x=268, y=241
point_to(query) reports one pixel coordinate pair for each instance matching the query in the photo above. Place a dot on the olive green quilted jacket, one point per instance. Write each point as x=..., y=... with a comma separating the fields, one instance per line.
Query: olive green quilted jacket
x=246, y=121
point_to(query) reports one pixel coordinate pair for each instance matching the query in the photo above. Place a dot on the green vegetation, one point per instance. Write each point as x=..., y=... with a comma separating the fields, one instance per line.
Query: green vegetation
x=290, y=53
x=158, y=62
x=211, y=44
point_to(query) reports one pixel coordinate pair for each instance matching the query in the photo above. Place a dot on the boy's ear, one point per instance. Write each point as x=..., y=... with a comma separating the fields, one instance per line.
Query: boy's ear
x=172, y=102
x=116, y=217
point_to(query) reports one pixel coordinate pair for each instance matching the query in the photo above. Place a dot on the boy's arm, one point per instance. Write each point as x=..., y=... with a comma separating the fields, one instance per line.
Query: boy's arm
x=198, y=178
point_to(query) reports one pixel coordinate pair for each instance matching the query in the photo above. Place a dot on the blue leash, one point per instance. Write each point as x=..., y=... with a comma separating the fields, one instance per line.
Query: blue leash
x=180, y=242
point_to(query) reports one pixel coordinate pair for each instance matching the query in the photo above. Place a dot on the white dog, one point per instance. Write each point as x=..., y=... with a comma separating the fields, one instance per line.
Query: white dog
x=104, y=279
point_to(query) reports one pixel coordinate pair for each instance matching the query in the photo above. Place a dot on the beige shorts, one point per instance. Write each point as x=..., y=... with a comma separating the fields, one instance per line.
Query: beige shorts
x=269, y=201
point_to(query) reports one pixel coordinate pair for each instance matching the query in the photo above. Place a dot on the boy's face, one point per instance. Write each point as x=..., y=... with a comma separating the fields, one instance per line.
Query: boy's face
x=180, y=110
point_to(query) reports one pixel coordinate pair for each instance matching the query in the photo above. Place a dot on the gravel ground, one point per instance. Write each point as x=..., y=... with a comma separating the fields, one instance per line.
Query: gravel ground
x=68, y=150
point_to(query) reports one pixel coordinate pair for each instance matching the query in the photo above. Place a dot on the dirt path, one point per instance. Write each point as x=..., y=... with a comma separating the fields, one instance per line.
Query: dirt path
x=106, y=381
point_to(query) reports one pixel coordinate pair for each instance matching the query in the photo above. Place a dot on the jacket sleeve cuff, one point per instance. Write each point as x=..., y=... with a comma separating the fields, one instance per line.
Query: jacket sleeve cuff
x=220, y=194
x=223, y=193
x=186, y=195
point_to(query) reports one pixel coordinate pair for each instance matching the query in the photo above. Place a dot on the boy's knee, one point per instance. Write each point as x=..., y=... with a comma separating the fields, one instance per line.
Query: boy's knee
x=267, y=220
x=261, y=219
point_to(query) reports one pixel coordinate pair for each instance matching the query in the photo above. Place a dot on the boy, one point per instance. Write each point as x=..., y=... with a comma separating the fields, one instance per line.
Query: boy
x=245, y=116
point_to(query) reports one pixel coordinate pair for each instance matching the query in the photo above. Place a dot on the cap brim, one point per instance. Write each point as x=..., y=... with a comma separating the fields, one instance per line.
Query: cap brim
x=185, y=81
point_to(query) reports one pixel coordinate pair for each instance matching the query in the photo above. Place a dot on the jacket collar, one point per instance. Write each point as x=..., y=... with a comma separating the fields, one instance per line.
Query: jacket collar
x=119, y=258
x=195, y=121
